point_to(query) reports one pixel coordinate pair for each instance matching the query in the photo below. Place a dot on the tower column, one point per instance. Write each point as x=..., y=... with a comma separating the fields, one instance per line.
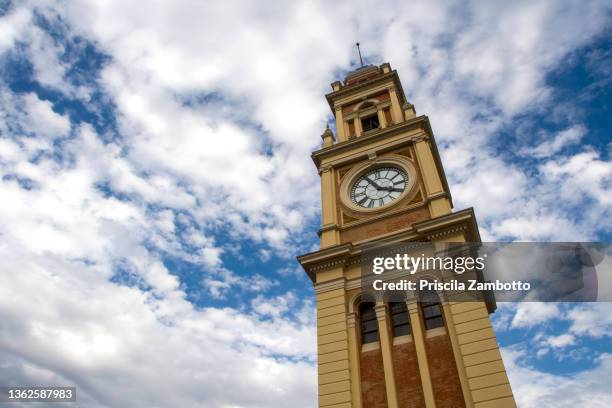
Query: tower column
x=438, y=202
x=396, y=110
x=340, y=124
x=452, y=334
x=387, y=357
x=333, y=345
x=419, y=345
x=354, y=351
x=358, y=128
x=328, y=215
x=381, y=118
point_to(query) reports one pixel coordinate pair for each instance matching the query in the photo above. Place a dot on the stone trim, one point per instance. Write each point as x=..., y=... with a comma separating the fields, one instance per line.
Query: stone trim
x=324, y=169
x=402, y=339
x=330, y=285
x=366, y=139
x=351, y=320
x=348, y=254
x=381, y=311
x=449, y=231
x=349, y=89
x=438, y=331
x=375, y=345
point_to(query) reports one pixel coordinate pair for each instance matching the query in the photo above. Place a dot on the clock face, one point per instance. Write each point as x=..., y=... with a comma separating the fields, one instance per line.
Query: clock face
x=379, y=186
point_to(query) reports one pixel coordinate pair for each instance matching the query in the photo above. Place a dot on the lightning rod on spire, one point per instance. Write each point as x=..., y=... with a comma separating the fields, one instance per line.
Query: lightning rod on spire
x=359, y=51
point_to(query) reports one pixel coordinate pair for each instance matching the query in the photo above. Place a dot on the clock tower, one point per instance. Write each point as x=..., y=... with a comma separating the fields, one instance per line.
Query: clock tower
x=382, y=182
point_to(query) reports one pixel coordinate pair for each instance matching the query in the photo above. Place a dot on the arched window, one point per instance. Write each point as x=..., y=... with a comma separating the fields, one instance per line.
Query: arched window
x=370, y=122
x=400, y=320
x=369, y=323
x=431, y=309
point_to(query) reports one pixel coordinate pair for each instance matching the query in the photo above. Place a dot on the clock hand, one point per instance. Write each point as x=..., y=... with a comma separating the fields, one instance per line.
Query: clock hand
x=378, y=187
x=391, y=189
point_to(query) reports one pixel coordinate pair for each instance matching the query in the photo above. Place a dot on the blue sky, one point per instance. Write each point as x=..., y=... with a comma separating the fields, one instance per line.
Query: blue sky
x=156, y=183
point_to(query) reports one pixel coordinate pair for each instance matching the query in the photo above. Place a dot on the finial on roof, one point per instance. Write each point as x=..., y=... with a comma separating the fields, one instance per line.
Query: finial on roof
x=359, y=51
x=328, y=136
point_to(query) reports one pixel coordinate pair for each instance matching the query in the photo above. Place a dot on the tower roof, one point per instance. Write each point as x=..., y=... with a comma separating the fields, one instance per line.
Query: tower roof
x=363, y=77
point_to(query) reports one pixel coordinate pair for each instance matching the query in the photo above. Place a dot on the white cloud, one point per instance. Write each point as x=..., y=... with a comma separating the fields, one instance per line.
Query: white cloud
x=12, y=26
x=531, y=314
x=558, y=141
x=560, y=341
x=538, y=227
x=591, y=319
x=45, y=121
x=584, y=174
x=534, y=388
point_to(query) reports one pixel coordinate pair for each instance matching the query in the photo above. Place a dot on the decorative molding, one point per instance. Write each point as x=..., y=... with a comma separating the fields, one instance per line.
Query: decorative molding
x=353, y=284
x=423, y=137
x=351, y=319
x=347, y=219
x=350, y=253
x=327, y=227
x=330, y=285
x=341, y=173
x=325, y=168
x=412, y=306
x=444, y=233
x=381, y=311
x=392, y=130
x=439, y=194
x=326, y=265
x=356, y=88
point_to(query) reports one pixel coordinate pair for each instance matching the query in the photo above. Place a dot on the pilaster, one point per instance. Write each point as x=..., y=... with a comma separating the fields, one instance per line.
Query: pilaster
x=381, y=118
x=351, y=321
x=439, y=203
x=358, y=128
x=329, y=233
x=419, y=345
x=333, y=345
x=340, y=130
x=387, y=357
x=396, y=111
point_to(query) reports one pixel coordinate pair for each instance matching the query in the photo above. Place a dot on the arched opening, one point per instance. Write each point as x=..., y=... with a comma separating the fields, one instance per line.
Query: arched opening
x=368, y=323
x=431, y=309
x=400, y=320
x=370, y=122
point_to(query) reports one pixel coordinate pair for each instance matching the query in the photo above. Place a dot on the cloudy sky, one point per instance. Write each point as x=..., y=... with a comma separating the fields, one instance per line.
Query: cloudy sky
x=156, y=184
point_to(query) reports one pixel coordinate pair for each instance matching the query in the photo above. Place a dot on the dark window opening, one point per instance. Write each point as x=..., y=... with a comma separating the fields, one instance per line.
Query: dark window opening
x=370, y=122
x=400, y=319
x=369, y=323
x=432, y=310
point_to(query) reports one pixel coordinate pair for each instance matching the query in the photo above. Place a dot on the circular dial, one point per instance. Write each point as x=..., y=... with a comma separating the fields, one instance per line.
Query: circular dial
x=379, y=186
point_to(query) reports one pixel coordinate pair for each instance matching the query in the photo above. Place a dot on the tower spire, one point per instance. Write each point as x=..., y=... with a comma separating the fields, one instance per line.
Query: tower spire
x=359, y=51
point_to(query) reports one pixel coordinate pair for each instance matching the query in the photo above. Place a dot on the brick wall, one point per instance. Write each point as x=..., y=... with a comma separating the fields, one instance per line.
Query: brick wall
x=407, y=378
x=391, y=223
x=443, y=369
x=373, y=392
